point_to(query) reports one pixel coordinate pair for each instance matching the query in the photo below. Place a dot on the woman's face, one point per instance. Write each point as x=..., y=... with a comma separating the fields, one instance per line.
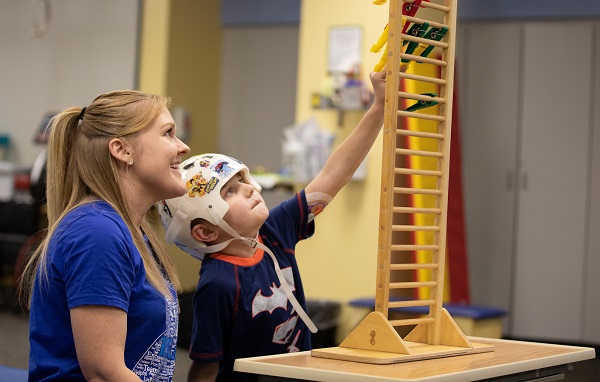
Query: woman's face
x=156, y=157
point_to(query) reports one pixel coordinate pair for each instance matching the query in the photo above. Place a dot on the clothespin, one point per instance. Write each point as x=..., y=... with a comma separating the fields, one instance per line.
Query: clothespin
x=382, y=40
x=410, y=9
x=422, y=104
x=382, y=61
x=435, y=34
x=417, y=30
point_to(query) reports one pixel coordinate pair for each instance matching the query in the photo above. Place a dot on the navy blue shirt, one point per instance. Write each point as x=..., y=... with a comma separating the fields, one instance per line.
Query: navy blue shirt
x=240, y=309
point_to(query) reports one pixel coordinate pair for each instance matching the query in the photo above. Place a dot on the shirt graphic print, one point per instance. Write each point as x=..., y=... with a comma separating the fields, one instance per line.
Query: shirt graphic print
x=158, y=362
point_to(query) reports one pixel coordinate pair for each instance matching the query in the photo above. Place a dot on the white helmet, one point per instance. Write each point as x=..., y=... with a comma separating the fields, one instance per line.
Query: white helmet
x=204, y=176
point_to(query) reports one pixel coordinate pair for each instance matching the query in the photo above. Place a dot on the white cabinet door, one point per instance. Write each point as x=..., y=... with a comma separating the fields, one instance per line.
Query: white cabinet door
x=488, y=71
x=531, y=183
x=550, y=244
x=591, y=317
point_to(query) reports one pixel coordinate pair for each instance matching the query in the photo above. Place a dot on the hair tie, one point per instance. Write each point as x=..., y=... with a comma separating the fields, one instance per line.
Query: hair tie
x=81, y=114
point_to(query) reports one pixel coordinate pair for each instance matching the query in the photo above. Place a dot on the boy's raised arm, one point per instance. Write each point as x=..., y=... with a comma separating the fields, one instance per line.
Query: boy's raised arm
x=346, y=158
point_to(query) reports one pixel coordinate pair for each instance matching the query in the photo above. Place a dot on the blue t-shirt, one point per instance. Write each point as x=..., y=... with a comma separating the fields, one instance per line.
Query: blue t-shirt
x=240, y=309
x=92, y=260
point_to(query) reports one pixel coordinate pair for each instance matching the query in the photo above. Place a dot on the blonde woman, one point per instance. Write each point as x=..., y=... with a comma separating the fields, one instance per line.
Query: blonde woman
x=101, y=287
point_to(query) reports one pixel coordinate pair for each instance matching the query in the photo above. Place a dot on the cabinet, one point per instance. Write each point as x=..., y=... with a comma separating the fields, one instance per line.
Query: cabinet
x=528, y=122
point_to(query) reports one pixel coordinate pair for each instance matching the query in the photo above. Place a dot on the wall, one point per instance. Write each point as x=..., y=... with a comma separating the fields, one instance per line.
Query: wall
x=258, y=92
x=90, y=47
x=530, y=161
x=181, y=58
x=339, y=261
x=194, y=68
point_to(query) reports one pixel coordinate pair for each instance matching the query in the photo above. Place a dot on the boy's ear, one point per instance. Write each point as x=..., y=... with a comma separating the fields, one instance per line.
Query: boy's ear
x=204, y=233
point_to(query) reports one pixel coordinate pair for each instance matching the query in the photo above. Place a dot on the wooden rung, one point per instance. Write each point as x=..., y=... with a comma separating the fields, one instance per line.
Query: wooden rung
x=416, y=20
x=416, y=210
x=433, y=61
x=410, y=171
x=419, y=134
x=413, y=284
x=414, y=247
x=425, y=41
x=420, y=191
x=412, y=114
x=412, y=267
x=414, y=228
x=411, y=321
x=421, y=153
x=417, y=77
x=403, y=304
x=421, y=97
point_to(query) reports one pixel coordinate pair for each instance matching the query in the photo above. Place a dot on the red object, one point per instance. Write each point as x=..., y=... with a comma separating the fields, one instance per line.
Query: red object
x=410, y=9
x=456, y=250
x=22, y=181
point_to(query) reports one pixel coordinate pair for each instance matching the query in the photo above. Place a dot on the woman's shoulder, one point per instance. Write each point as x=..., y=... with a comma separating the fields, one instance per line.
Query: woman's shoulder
x=97, y=210
x=98, y=217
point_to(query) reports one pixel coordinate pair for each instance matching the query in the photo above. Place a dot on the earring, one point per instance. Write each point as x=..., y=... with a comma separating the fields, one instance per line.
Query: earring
x=130, y=162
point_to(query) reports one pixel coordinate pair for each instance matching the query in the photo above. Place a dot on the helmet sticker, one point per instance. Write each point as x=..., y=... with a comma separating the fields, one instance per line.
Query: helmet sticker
x=222, y=168
x=197, y=185
x=205, y=162
x=211, y=184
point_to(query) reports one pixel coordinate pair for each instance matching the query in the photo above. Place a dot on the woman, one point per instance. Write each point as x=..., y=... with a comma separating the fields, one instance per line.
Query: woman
x=101, y=287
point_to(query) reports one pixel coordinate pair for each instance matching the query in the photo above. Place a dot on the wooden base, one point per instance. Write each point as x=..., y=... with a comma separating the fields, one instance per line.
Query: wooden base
x=419, y=351
x=376, y=341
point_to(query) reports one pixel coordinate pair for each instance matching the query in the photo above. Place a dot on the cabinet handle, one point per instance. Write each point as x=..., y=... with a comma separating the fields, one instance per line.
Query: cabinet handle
x=524, y=180
x=509, y=180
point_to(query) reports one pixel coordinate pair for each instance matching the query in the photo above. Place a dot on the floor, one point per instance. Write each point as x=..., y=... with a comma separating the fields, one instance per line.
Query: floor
x=14, y=351
x=14, y=345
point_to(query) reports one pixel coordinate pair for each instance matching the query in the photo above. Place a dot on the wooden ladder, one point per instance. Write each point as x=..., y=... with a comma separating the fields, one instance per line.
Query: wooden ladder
x=375, y=339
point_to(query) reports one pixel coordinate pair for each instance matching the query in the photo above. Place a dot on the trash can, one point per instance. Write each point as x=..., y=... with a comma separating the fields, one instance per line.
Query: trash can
x=325, y=315
x=186, y=317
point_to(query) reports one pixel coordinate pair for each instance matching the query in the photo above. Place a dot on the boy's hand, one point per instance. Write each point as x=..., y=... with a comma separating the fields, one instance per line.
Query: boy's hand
x=378, y=82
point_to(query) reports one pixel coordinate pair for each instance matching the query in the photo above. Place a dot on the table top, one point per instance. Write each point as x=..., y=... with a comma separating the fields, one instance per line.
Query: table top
x=508, y=357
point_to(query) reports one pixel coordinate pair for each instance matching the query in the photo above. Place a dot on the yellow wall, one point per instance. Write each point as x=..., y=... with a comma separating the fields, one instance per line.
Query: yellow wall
x=180, y=57
x=193, y=79
x=154, y=46
x=339, y=261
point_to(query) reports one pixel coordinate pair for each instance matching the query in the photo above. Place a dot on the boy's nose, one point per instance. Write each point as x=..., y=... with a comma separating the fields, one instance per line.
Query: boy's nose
x=249, y=189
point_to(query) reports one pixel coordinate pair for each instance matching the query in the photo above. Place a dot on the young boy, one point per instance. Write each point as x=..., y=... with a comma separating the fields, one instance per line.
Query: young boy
x=249, y=300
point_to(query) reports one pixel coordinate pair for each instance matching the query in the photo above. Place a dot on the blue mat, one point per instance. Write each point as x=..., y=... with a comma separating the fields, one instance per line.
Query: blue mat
x=11, y=374
x=476, y=312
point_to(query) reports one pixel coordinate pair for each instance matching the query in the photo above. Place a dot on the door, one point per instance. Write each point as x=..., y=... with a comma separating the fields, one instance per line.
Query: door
x=551, y=223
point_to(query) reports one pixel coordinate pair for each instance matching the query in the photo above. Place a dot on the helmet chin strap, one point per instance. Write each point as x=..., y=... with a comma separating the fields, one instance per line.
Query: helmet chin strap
x=253, y=243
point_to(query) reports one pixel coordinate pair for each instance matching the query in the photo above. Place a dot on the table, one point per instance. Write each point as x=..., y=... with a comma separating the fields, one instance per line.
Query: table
x=510, y=361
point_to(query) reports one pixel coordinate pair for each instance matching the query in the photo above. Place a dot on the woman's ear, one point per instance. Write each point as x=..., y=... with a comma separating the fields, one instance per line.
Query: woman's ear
x=205, y=233
x=120, y=149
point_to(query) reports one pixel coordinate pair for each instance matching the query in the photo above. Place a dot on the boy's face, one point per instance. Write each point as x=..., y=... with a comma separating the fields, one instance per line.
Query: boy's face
x=247, y=210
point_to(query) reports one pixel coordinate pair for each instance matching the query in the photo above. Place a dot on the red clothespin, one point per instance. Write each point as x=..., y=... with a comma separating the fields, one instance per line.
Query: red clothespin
x=410, y=9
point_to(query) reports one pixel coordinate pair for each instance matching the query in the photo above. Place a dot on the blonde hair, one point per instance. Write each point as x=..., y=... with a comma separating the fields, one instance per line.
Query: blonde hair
x=80, y=169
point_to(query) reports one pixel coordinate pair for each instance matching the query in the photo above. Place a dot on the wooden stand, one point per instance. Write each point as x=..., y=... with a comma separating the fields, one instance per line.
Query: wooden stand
x=375, y=339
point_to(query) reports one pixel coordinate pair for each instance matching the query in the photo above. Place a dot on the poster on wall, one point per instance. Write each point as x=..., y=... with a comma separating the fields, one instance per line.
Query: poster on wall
x=344, y=48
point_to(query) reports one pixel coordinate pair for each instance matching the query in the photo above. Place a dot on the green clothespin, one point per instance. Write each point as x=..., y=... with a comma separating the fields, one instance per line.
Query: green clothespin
x=435, y=34
x=422, y=104
x=417, y=30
